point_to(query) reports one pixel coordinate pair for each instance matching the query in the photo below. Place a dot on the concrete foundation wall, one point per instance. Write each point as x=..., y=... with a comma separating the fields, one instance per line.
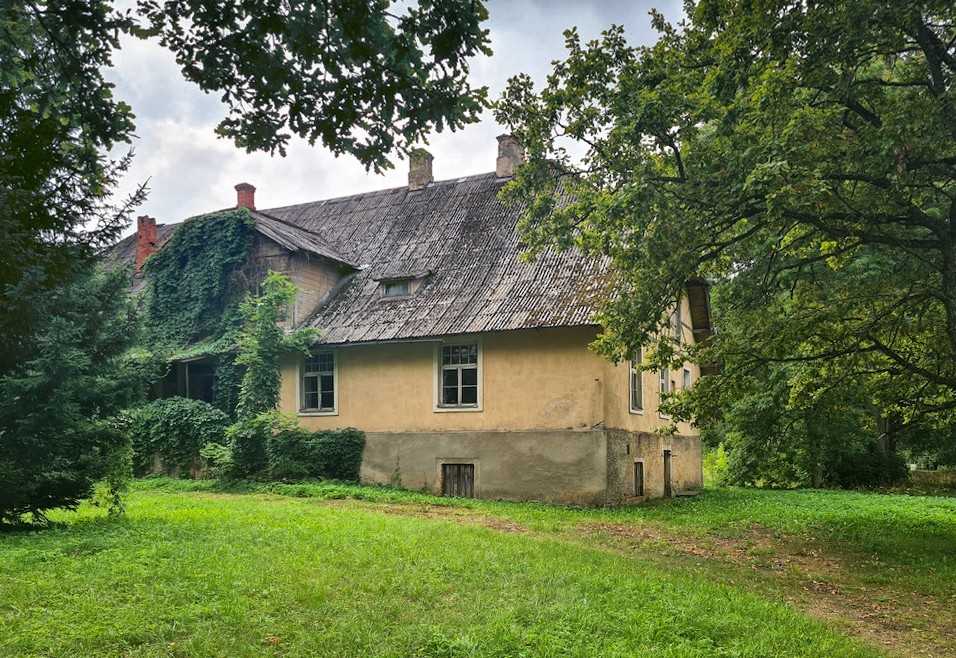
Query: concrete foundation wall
x=592, y=467
x=557, y=466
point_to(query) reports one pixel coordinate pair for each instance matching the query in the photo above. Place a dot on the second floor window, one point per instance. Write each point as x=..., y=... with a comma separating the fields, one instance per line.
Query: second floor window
x=400, y=288
x=458, y=376
x=636, y=385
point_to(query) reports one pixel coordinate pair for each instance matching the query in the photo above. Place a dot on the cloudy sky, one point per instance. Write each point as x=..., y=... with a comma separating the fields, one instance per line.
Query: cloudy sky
x=191, y=171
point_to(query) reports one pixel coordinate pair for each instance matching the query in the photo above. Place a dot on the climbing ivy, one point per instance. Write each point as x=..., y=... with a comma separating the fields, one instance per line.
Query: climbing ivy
x=194, y=292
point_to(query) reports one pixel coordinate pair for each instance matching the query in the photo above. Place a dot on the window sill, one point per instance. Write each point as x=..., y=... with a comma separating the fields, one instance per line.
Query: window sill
x=636, y=412
x=445, y=410
x=305, y=412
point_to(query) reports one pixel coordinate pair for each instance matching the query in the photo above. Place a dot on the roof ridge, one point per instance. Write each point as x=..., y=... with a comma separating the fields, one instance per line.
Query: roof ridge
x=385, y=190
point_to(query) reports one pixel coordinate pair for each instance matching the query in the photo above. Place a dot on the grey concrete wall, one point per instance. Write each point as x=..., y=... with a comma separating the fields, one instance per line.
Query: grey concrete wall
x=593, y=467
x=567, y=466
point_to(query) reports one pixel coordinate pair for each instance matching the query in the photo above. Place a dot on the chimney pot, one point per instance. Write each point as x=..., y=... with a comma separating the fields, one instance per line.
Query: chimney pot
x=419, y=169
x=145, y=239
x=510, y=155
x=246, y=196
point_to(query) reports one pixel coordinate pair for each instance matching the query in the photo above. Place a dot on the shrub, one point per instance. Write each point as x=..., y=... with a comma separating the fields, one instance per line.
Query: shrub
x=174, y=429
x=273, y=446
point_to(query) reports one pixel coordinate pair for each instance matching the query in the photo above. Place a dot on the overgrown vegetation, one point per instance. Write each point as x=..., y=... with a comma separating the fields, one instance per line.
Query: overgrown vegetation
x=262, y=340
x=194, y=284
x=174, y=430
x=272, y=446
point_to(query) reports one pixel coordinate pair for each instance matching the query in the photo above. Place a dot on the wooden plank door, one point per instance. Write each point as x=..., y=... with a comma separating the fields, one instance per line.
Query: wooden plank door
x=458, y=480
x=638, y=478
x=668, y=492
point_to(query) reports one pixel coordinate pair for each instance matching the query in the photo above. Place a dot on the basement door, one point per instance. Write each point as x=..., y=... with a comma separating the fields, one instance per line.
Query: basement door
x=668, y=492
x=458, y=480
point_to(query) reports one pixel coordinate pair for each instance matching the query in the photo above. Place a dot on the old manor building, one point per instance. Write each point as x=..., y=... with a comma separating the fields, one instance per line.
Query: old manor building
x=467, y=367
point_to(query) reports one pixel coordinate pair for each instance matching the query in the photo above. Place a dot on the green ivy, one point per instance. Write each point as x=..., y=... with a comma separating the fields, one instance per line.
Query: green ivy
x=194, y=287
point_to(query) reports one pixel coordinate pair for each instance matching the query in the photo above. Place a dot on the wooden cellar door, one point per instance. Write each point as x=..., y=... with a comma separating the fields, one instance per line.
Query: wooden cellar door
x=458, y=480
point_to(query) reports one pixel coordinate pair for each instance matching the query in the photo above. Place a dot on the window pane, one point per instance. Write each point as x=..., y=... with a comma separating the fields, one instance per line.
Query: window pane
x=395, y=289
x=469, y=395
x=326, y=362
x=450, y=378
x=686, y=378
x=328, y=383
x=449, y=395
x=311, y=400
x=637, y=390
x=664, y=380
x=446, y=355
x=328, y=400
x=311, y=384
x=469, y=354
x=469, y=376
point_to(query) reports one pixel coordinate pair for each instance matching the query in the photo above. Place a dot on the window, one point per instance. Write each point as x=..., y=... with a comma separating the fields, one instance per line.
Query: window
x=396, y=288
x=676, y=328
x=638, y=478
x=458, y=376
x=687, y=380
x=666, y=386
x=636, y=385
x=665, y=382
x=318, y=382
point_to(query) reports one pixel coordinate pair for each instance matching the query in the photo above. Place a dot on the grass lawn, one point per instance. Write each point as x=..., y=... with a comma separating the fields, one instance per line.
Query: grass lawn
x=333, y=570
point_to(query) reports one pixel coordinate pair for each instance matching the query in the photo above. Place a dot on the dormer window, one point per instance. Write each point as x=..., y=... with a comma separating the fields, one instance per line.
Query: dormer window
x=397, y=288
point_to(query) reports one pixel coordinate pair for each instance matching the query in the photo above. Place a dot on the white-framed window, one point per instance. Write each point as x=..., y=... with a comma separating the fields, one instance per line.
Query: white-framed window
x=676, y=327
x=635, y=383
x=687, y=379
x=459, y=377
x=317, y=384
x=666, y=385
x=398, y=288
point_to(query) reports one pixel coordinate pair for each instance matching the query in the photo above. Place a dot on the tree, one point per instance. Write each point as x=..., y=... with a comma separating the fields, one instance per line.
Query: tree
x=801, y=155
x=57, y=407
x=361, y=77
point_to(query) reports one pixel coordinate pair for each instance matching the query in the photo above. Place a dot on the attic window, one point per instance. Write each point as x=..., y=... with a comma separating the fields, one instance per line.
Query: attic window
x=399, y=288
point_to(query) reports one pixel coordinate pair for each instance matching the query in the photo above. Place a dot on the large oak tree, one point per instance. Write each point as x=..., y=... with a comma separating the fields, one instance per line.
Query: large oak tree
x=800, y=155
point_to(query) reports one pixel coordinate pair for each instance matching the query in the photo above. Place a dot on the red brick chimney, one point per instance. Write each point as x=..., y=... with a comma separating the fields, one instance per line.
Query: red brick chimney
x=145, y=239
x=246, y=196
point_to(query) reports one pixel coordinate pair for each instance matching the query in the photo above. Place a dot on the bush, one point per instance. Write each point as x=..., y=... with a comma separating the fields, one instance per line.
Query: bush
x=273, y=446
x=174, y=429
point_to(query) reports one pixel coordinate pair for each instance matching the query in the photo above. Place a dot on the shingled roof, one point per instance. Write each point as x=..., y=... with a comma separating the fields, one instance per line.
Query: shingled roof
x=461, y=239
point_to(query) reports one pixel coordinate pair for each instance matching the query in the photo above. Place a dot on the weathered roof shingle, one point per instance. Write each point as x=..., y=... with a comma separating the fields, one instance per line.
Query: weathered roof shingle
x=459, y=233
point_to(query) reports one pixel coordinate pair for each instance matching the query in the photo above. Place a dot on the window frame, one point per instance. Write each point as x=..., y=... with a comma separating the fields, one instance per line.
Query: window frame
x=635, y=374
x=664, y=386
x=407, y=283
x=677, y=323
x=438, y=372
x=688, y=379
x=300, y=385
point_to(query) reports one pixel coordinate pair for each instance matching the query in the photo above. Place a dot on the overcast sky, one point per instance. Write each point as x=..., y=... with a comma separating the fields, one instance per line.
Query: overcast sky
x=191, y=171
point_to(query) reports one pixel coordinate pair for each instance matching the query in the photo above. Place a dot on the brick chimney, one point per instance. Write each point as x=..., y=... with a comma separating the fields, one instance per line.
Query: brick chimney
x=246, y=196
x=145, y=239
x=419, y=169
x=510, y=155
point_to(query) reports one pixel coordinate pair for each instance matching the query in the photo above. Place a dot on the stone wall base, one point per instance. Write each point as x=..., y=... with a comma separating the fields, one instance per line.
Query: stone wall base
x=588, y=467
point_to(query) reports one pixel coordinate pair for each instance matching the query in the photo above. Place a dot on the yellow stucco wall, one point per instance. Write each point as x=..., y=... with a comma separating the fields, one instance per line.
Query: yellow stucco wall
x=530, y=380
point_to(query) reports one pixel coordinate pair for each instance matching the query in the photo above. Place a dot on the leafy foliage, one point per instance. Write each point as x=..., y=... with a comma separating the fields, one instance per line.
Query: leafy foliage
x=273, y=446
x=194, y=280
x=58, y=120
x=174, y=429
x=56, y=429
x=262, y=341
x=357, y=76
x=799, y=155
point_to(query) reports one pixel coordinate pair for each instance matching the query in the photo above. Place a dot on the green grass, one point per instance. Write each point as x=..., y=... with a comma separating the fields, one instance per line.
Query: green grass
x=274, y=570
